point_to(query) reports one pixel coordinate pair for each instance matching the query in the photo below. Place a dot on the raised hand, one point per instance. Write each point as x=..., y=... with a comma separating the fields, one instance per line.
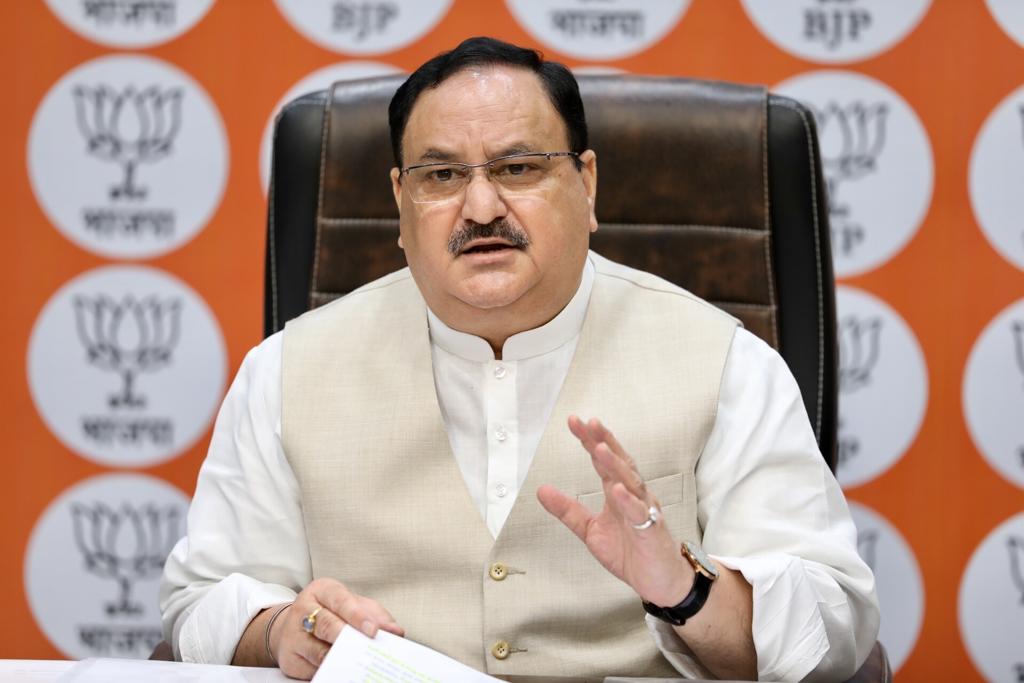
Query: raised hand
x=648, y=559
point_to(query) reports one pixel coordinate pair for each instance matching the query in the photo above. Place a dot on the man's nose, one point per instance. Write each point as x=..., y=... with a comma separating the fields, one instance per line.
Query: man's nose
x=482, y=203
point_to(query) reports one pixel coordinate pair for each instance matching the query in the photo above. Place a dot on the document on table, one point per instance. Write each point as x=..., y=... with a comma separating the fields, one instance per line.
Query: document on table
x=354, y=658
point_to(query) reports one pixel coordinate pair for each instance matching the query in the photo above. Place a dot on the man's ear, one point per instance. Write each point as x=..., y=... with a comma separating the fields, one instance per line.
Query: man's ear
x=589, y=175
x=396, y=190
x=396, y=187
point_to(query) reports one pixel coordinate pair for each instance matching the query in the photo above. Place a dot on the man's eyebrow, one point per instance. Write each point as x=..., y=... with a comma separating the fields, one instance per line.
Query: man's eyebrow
x=434, y=154
x=516, y=148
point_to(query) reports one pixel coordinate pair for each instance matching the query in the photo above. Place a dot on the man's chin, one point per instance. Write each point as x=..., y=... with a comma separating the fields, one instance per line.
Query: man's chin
x=491, y=291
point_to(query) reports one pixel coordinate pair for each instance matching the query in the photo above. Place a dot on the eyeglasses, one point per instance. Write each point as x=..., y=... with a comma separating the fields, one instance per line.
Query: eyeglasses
x=512, y=175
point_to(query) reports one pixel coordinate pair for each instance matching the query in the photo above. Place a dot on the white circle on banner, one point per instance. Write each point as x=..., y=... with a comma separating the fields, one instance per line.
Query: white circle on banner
x=991, y=603
x=897, y=580
x=363, y=27
x=126, y=365
x=835, y=31
x=877, y=161
x=883, y=386
x=127, y=156
x=130, y=23
x=94, y=561
x=321, y=79
x=1009, y=14
x=996, y=176
x=598, y=29
x=993, y=393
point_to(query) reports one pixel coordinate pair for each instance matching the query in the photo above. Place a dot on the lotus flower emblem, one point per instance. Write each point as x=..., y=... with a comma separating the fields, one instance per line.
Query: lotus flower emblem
x=1017, y=329
x=128, y=127
x=1015, y=544
x=852, y=138
x=128, y=337
x=126, y=544
x=867, y=542
x=858, y=351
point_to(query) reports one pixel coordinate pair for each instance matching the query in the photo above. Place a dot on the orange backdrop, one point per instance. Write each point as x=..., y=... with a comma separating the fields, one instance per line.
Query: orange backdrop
x=947, y=283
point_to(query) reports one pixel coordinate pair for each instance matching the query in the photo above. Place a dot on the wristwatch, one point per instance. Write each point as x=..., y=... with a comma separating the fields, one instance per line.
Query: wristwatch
x=704, y=575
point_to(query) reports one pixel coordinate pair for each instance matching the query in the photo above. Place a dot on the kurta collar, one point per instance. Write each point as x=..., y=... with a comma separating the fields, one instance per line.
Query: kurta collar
x=559, y=330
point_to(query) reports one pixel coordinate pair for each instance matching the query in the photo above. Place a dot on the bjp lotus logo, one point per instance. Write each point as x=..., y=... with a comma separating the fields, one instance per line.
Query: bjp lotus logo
x=867, y=542
x=129, y=337
x=852, y=138
x=128, y=127
x=858, y=354
x=858, y=351
x=126, y=545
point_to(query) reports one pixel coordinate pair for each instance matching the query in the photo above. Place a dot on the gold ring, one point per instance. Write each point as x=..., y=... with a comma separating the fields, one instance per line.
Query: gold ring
x=309, y=621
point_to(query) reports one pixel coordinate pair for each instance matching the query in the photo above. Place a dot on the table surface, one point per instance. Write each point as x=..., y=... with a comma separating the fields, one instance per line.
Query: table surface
x=134, y=670
x=129, y=671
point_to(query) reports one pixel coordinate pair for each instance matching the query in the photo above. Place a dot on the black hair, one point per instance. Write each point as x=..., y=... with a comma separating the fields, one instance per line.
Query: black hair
x=558, y=82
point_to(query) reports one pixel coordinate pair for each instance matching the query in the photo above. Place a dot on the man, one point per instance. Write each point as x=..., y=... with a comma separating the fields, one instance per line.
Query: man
x=402, y=459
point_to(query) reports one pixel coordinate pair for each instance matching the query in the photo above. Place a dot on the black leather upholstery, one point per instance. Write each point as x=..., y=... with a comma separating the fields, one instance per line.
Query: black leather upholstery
x=715, y=186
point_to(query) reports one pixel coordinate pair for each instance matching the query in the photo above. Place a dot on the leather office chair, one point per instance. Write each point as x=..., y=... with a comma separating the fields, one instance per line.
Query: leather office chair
x=714, y=186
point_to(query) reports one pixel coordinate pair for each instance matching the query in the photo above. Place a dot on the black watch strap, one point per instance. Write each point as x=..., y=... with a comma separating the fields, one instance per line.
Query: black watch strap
x=691, y=604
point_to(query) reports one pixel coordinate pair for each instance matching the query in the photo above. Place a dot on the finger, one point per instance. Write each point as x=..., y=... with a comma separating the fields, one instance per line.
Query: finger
x=393, y=627
x=365, y=614
x=312, y=650
x=602, y=433
x=633, y=510
x=580, y=430
x=619, y=471
x=345, y=604
x=568, y=511
x=327, y=626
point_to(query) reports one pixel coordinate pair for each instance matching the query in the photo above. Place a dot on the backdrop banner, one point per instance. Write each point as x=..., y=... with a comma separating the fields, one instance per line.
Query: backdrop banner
x=138, y=140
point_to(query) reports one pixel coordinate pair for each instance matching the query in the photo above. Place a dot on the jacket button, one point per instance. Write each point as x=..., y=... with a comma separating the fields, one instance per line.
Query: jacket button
x=498, y=571
x=500, y=650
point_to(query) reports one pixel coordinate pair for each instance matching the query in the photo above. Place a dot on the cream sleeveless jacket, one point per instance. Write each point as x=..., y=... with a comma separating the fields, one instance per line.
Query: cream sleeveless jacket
x=387, y=511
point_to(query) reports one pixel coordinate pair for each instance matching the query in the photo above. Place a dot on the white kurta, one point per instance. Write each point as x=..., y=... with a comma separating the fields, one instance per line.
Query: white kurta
x=815, y=611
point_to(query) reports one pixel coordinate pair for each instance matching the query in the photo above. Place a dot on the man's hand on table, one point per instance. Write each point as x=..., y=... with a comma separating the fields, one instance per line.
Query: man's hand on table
x=299, y=653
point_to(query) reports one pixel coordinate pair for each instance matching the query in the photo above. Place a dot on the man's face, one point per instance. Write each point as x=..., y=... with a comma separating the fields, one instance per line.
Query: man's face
x=530, y=265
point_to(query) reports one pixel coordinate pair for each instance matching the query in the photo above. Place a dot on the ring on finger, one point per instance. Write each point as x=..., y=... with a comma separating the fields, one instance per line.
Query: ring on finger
x=309, y=621
x=652, y=518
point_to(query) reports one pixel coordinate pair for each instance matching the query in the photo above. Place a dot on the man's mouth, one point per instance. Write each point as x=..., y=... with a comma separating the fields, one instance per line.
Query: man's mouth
x=487, y=246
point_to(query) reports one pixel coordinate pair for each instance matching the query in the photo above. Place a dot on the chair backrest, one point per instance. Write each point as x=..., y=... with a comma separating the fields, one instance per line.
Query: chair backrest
x=714, y=186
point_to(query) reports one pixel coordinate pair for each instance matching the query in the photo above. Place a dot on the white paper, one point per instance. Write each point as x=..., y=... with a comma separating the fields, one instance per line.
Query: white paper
x=387, y=658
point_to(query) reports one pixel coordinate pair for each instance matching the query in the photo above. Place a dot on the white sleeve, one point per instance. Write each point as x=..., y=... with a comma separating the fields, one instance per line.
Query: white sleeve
x=771, y=509
x=246, y=513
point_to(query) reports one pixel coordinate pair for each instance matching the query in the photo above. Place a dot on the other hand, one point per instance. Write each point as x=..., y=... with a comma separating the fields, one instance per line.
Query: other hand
x=299, y=653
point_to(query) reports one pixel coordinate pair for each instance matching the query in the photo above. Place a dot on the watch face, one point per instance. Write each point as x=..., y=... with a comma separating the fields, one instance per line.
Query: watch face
x=698, y=554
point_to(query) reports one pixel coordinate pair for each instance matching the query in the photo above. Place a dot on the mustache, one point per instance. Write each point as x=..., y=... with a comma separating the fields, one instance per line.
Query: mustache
x=499, y=228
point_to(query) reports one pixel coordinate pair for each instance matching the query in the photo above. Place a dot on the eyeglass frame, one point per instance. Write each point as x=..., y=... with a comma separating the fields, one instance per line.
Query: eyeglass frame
x=485, y=164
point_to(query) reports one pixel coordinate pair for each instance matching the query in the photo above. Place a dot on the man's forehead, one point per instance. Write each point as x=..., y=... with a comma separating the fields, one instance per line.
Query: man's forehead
x=508, y=106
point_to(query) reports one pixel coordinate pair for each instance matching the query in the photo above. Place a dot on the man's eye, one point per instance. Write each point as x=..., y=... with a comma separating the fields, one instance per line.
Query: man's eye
x=441, y=175
x=516, y=169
